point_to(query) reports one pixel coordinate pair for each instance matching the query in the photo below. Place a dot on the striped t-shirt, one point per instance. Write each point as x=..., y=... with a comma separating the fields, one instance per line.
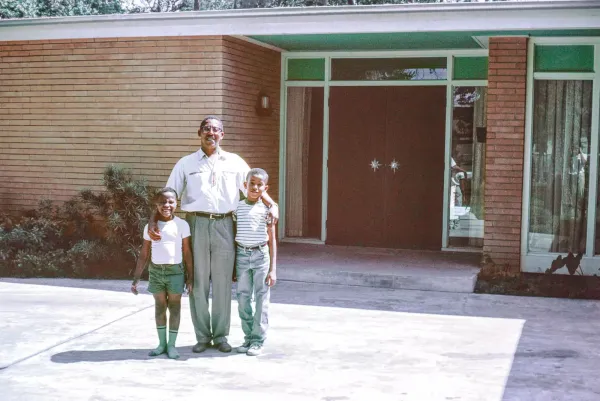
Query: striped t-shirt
x=251, y=223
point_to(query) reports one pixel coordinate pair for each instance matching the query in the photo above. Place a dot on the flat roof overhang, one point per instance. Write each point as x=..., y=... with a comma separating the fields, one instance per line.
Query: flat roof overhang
x=407, y=26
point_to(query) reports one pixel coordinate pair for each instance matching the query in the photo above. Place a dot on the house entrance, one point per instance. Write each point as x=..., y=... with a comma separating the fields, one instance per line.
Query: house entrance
x=386, y=166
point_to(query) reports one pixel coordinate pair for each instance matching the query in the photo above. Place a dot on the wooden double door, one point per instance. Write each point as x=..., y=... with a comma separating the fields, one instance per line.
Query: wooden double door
x=386, y=166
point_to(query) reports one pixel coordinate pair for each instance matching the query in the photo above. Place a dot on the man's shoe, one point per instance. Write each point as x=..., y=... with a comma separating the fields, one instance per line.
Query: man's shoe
x=242, y=349
x=200, y=347
x=223, y=347
x=255, y=350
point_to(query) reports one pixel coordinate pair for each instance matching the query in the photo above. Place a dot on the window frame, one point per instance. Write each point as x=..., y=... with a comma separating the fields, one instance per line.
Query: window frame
x=536, y=262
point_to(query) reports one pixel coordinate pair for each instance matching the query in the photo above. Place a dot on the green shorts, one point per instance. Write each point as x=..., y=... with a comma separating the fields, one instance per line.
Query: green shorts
x=166, y=278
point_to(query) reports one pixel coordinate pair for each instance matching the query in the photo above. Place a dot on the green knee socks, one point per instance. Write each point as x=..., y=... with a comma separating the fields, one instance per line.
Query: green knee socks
x=162, y=344
x=171, y=351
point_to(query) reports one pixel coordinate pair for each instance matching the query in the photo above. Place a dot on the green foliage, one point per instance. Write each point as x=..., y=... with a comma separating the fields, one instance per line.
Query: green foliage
x=57, y=8
x=18, y=8
x=91, y=235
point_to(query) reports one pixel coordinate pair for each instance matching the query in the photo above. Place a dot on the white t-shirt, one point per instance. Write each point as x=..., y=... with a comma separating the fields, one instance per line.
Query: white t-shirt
x=169, y=249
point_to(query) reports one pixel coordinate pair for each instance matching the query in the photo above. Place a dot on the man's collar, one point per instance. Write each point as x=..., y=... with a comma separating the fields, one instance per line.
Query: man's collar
x=219, y=151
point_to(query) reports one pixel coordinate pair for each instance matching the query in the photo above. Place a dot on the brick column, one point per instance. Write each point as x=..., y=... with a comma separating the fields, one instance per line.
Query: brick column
x=505, y=150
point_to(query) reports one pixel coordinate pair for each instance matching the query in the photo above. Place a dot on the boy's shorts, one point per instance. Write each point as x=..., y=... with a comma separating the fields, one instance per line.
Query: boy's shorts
x=166, y=278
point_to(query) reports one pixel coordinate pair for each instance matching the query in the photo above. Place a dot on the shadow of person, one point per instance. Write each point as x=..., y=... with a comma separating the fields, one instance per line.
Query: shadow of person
x=124, y=354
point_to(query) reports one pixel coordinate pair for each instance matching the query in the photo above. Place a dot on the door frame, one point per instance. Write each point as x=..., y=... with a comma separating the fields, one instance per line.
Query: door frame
x=326, y=83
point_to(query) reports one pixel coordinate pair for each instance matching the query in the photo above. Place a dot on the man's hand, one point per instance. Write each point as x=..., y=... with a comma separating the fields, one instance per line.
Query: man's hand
x=134, y=289
x=234, y=276
x=271, y=278
x=188, y=287
x=153, y=231
x=273, y=216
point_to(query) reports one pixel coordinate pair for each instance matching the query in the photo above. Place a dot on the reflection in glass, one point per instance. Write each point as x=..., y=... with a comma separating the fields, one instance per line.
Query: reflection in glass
x=304, y=162
x=467, y=168
x=559, y=166
x=389, y=69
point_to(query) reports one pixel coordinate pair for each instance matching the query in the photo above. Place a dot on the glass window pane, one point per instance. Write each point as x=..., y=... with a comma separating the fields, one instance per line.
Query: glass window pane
x=559, y=166
x=467, y=168
x=309, y=69
x=388, y=69
x=471, y=68
x=564, y=59
x=304, y=162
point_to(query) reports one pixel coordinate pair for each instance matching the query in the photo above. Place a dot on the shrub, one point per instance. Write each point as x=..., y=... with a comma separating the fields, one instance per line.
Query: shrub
x=90, y=235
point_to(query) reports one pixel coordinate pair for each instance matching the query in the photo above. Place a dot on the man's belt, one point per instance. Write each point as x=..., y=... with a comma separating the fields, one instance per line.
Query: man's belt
x=251, y=248
x=212, y=216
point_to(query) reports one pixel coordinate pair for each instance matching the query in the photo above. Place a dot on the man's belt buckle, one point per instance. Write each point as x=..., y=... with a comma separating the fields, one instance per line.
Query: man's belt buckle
x=211, y=216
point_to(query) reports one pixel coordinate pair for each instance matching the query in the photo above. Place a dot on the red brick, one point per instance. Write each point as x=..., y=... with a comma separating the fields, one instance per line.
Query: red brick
x=505, y=153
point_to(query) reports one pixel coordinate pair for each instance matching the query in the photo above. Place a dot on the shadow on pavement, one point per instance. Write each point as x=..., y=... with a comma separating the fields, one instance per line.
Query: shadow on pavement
x=113, y=355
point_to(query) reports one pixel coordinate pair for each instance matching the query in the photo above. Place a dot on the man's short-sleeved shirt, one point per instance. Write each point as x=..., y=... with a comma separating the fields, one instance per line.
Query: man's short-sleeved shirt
x=209, y=184
x=169, y=249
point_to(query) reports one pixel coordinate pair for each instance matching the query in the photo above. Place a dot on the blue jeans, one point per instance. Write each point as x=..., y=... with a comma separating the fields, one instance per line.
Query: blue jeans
x=252, y=268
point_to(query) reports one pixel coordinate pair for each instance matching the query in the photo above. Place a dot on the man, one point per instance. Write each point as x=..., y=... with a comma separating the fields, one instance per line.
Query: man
x=209, y=182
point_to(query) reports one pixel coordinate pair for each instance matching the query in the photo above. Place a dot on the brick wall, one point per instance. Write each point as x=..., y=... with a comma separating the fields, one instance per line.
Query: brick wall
x=249, y=69
x=505, y=149
x=68, y=108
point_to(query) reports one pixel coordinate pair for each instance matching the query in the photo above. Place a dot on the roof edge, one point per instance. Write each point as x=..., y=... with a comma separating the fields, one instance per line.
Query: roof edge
x=314, y=11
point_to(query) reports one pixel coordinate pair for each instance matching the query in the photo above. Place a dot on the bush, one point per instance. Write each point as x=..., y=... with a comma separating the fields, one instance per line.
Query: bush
x=91, y=235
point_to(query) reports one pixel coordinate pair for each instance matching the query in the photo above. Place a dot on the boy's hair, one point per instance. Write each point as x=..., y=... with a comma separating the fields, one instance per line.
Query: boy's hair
x=162, y=191
x=258, y=172
x=203, y=123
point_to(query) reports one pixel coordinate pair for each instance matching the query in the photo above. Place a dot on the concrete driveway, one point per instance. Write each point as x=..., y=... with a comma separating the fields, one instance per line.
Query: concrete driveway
x=88, y=340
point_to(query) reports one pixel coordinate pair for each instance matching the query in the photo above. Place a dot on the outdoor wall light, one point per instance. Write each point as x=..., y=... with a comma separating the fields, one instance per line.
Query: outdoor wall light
x=263, y=105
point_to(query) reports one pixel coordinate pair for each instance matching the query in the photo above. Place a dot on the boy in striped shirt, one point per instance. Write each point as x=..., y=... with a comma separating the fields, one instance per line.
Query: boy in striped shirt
x=255, y=266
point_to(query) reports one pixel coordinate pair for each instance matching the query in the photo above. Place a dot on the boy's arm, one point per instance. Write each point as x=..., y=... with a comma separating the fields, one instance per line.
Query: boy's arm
x=141, y=265
x=189, y=262
x=272, y=276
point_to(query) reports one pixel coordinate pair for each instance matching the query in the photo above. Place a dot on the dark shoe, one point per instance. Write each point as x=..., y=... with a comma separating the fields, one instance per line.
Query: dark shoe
x=242, y=349
x=223, y=347
x=200, y=347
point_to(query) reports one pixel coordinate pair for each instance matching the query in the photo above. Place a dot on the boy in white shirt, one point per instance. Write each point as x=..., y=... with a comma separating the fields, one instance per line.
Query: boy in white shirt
x=256, y=261
x=167, y=280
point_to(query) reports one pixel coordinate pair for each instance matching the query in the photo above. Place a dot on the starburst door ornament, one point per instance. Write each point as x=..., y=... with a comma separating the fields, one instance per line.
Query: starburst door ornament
x=375, y=164
x=394, y=165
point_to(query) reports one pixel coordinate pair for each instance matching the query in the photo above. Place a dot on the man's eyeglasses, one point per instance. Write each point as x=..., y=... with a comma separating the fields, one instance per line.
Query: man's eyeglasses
x=208, y=128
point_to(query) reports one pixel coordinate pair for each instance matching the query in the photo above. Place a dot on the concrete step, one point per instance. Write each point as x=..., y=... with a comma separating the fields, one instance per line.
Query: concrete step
x=379, y=268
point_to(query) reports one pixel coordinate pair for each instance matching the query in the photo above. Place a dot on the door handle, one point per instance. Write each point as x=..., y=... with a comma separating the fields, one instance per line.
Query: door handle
x=375, y=165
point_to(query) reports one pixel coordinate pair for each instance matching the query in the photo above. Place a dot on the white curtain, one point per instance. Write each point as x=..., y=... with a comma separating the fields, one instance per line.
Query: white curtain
x=560, y=172
x=478, y=181
x=297, y=145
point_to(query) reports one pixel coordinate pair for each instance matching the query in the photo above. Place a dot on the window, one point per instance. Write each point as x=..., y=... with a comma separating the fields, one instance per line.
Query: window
x=467, y=168
x=388, y=69
x=559, y=166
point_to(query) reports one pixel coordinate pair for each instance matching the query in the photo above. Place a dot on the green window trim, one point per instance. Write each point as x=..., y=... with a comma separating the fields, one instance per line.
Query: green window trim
x=470, y=68
x=572, y=58
x=306, y=69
